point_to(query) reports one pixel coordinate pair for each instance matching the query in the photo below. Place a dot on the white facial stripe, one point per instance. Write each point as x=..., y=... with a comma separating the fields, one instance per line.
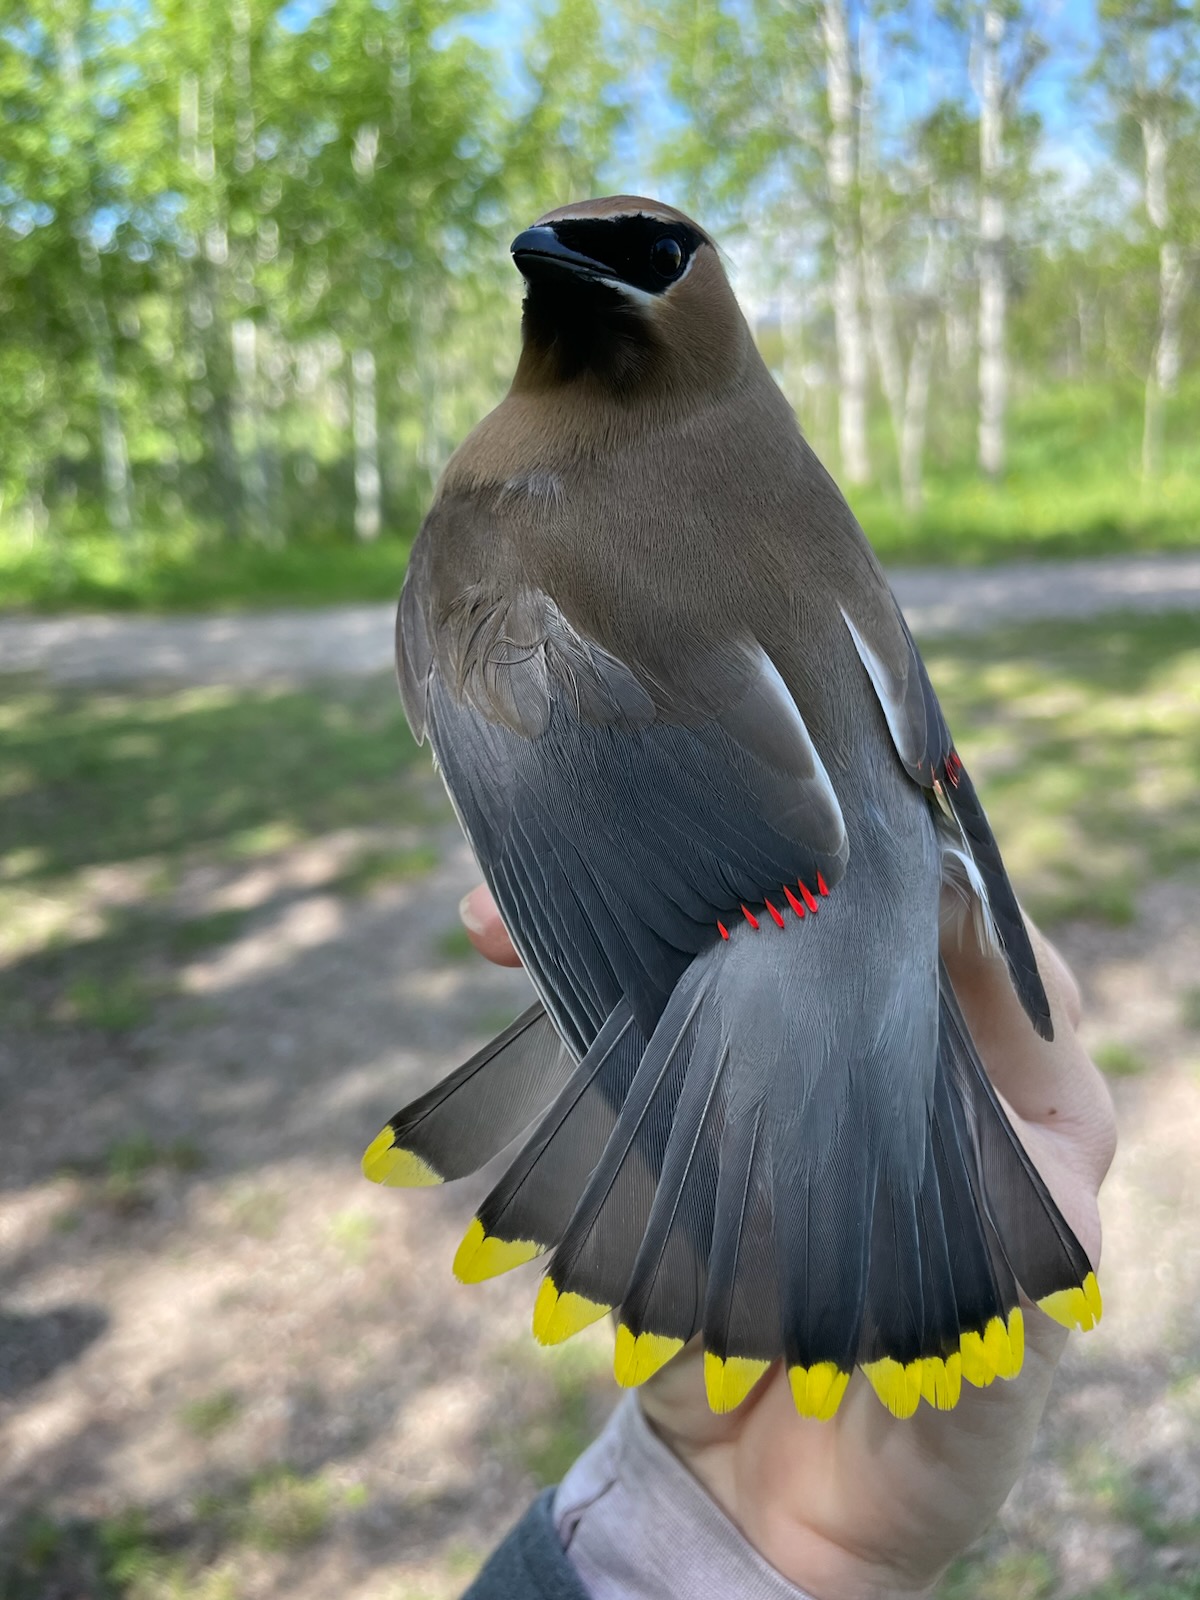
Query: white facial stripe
x=643, y=296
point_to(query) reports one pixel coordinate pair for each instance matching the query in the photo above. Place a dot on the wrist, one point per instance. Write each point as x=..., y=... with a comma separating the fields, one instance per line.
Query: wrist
x=814, y=1560
x=638, y=1525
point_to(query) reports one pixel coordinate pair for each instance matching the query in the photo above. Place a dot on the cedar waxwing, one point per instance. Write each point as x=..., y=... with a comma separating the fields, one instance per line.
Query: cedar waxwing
x=693, y=745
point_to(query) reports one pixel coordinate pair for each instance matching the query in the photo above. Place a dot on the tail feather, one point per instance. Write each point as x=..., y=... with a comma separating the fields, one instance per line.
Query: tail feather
x=1032, y=1237
x=573, y=1006
x=741, y=1305
x=532, y=1203
x=664, y=1302
x=805, y=1160
x=596, y=1254
x=822, y=1246
x=462, y=1122
x=943, y=1324
x=978, y=1297
x=1002, y=901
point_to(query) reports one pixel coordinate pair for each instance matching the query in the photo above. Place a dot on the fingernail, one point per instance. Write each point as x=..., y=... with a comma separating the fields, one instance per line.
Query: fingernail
x=468, y=915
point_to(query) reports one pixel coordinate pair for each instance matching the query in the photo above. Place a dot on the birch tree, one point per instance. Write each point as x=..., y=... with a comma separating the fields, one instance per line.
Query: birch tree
x=1009, y=50
x=840, y=164
x=80, y=200
x=1148, y=67
x=993, y=362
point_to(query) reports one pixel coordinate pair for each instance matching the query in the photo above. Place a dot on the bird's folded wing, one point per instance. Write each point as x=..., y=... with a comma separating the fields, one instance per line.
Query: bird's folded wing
x=621, y=823
x=925, y=747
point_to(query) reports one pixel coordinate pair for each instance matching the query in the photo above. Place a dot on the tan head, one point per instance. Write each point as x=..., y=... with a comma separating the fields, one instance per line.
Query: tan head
x=627, y=296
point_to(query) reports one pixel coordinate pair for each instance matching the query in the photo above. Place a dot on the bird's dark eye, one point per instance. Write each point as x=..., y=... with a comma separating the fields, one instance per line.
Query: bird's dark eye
x=666, y=257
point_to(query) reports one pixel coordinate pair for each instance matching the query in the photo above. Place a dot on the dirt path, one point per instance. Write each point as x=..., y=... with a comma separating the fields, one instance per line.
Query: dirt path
x=268, y=1359
x=357, y=640
x=230, y=1369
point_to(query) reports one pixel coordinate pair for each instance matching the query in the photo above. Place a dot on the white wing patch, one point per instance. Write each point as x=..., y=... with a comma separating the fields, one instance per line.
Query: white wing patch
x=962, y=877
x=890, y=692
x=767, y=721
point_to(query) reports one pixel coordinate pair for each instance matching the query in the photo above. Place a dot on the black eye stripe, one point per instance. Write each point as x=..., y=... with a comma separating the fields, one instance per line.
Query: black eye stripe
x=625, y=245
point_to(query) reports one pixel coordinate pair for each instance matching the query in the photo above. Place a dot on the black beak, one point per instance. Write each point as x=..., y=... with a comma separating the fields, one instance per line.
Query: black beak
x=540, y=253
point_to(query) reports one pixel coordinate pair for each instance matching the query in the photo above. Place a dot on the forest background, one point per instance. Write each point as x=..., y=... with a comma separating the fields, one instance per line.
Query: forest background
x=254, y=287
x=254, y=280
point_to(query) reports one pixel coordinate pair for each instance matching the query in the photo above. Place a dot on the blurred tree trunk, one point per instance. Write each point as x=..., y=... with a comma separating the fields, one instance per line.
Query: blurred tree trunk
x=916, y=388
x=364, y=403
x=247, y=424
x=366, y=446
x=993, y=358
x=847, y=310
x=212, y=363
x=114, y=450
x=1163, y=375
x=872, y=231
x=246, y=428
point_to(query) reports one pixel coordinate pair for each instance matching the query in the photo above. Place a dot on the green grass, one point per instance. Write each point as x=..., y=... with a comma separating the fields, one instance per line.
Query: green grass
x=352, y=1233
x=455, y=944
x=1072, y=488
x=121, y=1173
x=115, y=1558
x=376, y=869
x=210, y=1414
x=1024, y=1576
x=114, y=1006
x=1118, y=1060
x=150, y=783
x=258, y=1212
x=1084, y=741
x=571, y=1393
x=102, y=778
x=178, y=572
x=278, y=1511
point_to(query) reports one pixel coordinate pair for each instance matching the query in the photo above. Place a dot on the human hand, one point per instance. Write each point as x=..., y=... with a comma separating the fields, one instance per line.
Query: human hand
x=867, y=1506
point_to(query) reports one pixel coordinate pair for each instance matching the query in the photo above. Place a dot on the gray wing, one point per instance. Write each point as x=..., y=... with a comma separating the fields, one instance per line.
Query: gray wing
x=621, y=824
x=925, y=747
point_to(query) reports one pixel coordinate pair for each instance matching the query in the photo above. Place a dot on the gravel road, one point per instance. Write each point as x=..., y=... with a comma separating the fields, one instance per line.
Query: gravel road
x=351, y=641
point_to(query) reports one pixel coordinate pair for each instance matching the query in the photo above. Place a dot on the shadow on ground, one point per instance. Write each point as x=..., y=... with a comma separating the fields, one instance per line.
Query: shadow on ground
x=231, y=1369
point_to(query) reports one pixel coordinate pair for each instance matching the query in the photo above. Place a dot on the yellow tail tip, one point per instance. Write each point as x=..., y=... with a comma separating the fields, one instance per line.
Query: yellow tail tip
x=558, y=1316
x=384, y=1162
x=941, y=1381
x=977, y=1367
x=481, y=1255
x=817, y=1390
x=1079, y=1308
x=728, y=1380
x=639, y=1356
x=1005, y=1353
x=898, y=1384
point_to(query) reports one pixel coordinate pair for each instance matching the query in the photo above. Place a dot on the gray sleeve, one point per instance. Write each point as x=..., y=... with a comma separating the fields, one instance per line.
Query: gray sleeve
x=637, y=1526
x=529, y=1564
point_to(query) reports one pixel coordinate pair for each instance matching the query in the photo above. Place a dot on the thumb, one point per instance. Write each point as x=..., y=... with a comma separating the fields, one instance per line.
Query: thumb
x=485, y=929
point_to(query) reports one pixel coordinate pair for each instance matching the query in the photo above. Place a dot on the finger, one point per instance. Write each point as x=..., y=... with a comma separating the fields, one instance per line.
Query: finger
x=1053, y=1086
x=484, y=928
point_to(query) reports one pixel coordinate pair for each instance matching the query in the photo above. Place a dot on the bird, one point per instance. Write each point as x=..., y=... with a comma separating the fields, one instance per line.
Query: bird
x=693, y=745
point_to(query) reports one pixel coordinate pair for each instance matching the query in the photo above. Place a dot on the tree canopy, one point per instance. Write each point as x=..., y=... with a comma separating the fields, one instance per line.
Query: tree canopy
x=253, y=275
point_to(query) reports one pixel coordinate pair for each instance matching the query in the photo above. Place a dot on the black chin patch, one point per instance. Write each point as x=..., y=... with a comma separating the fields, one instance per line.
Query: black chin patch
x=580, y=323
x=580, y=326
